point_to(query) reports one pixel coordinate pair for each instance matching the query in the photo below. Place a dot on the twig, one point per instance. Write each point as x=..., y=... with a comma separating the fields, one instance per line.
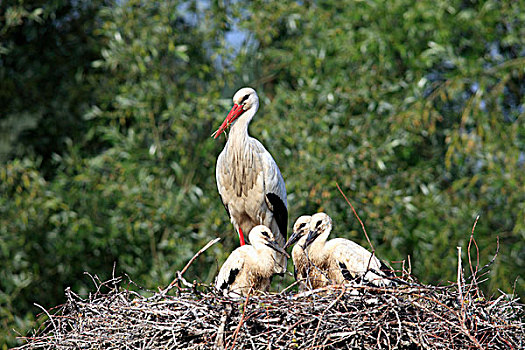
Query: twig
x=473, y=273
x=219, y=340
x=202, y=250
x=362, y=226
x=49, y=317
x=487, y=265
x=358, y=218
x=179, y=275
x=463, y=314
x=236, y=333
x=291, y=286
x=324, y=312
x=459, y=277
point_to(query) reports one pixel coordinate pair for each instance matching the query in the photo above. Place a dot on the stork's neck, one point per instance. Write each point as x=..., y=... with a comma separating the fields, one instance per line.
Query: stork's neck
x=302, y=240
x=316, y=249
x=239, y=130
x=264, y=259
x=298, y=250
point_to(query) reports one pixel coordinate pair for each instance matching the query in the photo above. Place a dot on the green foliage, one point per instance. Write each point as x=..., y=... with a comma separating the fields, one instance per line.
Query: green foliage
x=414, y=108
x=46, y=51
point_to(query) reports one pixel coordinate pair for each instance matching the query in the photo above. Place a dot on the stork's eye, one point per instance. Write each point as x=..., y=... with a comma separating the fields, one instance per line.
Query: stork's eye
x=318, y=224
x=302, y=225
x=265, y=234
x=244, y=98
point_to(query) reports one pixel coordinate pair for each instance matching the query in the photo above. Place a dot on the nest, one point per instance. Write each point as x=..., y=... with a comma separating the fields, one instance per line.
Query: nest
x=119, y=314
x=115, y=316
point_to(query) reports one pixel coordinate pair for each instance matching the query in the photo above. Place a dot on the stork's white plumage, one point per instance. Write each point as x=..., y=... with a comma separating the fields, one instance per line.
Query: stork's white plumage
x=249, y=181
x=343, y=260
x=309, y=276
x=250, y=266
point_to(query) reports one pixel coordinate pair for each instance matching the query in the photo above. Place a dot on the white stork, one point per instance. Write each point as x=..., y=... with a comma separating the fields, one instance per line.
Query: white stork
x=249, y=181
x=308, y=275
x=343, y=260
x=250, y=266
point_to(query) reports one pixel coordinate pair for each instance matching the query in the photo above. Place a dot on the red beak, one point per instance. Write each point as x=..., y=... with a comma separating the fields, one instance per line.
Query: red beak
x=235, y=112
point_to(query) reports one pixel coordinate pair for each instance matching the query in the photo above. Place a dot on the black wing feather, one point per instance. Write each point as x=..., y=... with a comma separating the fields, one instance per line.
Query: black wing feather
x=231, y=279
x=386, y=271
x=344, y=270
x=280, y=213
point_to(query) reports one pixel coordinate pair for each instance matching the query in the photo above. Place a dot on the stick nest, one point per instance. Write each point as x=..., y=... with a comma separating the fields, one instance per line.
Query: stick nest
x=195, y=316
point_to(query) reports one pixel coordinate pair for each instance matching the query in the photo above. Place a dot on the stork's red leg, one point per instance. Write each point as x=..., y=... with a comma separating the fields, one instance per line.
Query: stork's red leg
x=241, y=237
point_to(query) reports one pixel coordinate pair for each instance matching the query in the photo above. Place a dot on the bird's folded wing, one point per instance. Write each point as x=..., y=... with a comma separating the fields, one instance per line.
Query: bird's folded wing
x=230, y=270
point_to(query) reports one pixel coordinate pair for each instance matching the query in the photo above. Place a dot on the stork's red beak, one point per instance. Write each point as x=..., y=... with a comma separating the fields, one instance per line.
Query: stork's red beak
x=235, y=112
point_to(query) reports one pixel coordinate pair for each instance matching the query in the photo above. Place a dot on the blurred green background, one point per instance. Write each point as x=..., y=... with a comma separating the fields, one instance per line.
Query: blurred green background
x=416, y=108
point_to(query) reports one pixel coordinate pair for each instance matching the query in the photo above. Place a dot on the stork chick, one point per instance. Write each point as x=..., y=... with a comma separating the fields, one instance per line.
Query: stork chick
x=251, y=266
x=342, y=259
x=248, y=179
x=309, y=276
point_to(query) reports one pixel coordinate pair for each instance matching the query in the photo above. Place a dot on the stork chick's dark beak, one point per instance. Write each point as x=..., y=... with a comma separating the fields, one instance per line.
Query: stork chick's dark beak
x=275, y=246
x=235, y=112
x=293, y=239
x=312, y=235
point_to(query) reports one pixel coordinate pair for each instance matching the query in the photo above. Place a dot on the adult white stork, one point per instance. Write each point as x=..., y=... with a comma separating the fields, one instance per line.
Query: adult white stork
x=342, y=259
x=250, y=266
x=249, y=181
